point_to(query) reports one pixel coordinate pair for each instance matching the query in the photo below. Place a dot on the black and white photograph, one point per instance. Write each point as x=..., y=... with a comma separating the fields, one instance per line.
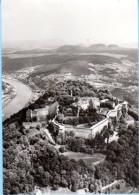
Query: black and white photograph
x=70, y=97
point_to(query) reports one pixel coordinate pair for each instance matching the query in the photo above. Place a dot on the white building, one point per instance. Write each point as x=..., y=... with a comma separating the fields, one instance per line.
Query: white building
x=85, y=102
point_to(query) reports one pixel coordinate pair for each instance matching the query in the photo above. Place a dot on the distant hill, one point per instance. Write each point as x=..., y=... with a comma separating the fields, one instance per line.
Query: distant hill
x=83, y=49
x=71, y=49
x=113, y=46
x=98, y=46
x=67, y=59
x=95, y=53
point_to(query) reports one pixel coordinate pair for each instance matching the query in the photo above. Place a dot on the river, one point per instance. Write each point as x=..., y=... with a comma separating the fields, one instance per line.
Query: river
x=23, y=95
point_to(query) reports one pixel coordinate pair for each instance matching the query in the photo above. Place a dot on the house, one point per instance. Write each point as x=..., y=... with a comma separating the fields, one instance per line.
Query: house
x=41, y=114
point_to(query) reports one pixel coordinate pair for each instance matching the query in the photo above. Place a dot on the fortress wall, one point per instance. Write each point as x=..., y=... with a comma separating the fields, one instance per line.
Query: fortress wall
x=83, y=133
x=99, y=126
x=112, y=113
x=80, y=132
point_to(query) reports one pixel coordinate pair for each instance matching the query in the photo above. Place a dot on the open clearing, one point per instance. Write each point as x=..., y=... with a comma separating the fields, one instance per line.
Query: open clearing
x=61, y=190
x=88, y=158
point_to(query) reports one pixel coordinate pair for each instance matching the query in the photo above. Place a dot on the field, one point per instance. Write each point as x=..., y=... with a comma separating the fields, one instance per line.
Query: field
x=60, y=190
x=87, y=158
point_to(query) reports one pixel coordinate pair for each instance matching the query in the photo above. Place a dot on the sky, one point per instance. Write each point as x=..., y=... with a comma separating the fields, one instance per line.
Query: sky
x=70, y=21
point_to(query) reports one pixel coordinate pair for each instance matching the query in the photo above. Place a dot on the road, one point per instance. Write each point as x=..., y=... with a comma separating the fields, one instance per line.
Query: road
x=23, y=95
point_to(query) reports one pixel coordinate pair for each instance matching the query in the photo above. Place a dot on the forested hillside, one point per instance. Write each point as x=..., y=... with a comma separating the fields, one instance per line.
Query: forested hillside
x=30, y=161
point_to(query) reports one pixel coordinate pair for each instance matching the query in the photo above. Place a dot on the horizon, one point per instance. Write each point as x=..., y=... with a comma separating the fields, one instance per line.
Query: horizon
x=44, y=44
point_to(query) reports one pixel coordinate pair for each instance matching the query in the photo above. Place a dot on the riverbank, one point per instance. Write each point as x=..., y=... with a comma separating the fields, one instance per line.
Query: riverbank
x=23, y=95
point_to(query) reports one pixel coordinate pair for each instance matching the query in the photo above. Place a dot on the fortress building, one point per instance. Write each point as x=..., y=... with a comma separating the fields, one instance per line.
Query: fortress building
x=42, y=113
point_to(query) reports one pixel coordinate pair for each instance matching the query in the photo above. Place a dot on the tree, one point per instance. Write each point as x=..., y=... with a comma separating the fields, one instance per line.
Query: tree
x=106, y=133
x=57, y=179
x=60, y=118
x=41, y=170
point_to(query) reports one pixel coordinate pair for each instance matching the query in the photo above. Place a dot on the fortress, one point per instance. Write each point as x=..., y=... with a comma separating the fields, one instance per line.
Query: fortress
x=91, y=132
